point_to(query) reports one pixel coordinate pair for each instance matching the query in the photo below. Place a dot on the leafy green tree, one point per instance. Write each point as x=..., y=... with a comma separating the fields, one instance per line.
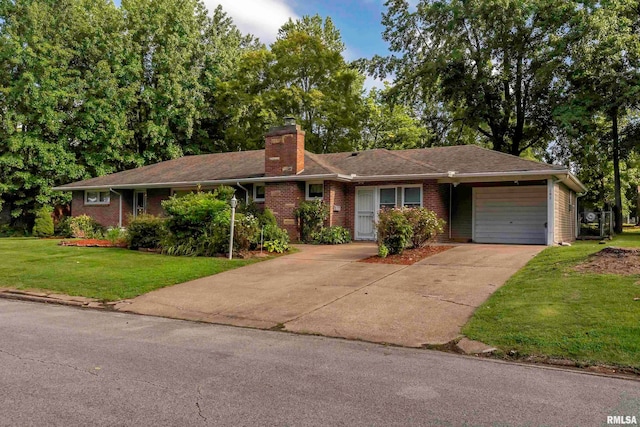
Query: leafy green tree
x=36, y=86
x=225, y=79
x=310, y=79
x=165, y=58
x=604, y=78
x=389, y=125
x=490, y=65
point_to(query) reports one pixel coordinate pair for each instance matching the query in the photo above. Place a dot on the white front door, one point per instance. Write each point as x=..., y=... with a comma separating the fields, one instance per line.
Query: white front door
x=365, y=214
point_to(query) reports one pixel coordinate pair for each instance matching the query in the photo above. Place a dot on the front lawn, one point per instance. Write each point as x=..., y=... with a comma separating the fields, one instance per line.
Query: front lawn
x=102, y=273
x=548, y=309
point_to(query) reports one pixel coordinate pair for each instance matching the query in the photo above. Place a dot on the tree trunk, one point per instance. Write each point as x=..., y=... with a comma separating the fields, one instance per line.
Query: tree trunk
x=617, y=209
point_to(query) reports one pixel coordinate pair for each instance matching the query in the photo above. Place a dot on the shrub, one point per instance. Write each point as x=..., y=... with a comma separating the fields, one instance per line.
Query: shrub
x=245, y=230
x=311, y=216
x=7, y=230
x=425, y=225
x=383, y=251
x=273, y=232
x=116, y=235
x=145, y=231
x=267, y=218
x=85, y=227
x=191, y=215
x=62, y=228
x=334, y=235
x=394, y=230
x=277, y=246
x=43, y=226
x=275, y=239
x=200, y=223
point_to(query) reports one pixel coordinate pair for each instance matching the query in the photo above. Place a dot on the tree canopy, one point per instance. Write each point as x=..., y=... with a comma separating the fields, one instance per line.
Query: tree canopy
x=89, y=88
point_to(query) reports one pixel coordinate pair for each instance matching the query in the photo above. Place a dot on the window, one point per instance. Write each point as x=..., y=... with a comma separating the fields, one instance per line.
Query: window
x=387, y=198
x=258, y=192
x=315, y=190
x=96, y=197
x=412, y=197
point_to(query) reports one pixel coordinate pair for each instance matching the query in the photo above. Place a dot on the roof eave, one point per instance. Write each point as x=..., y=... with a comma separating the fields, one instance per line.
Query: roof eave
x=229, y=181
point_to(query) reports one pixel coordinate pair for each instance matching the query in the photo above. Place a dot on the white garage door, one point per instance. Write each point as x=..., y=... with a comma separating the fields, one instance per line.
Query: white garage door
x=515, y=214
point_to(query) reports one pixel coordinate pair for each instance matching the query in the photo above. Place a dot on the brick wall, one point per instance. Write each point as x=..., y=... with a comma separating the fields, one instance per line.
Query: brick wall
x=283, y=198
x=334, y=197
x=154, y=198
x=434, y=197
x=106, y=215
x=284, y=151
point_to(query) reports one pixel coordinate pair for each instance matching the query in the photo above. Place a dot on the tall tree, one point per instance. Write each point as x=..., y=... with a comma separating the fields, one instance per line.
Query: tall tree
x=166, y=55
x=604, y=76
x=311, y=80
x=223, y=77
x=491, y=64
x=390, y=125
x=55, y=73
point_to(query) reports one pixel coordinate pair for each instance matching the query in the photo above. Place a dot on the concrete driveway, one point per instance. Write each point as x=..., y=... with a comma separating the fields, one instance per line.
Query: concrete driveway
x=324, y=290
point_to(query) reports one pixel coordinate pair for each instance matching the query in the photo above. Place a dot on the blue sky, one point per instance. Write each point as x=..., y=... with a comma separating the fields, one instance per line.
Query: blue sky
x=357, y=20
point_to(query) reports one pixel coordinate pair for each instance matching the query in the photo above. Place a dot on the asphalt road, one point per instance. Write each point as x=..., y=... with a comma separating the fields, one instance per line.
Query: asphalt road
x=66, y=366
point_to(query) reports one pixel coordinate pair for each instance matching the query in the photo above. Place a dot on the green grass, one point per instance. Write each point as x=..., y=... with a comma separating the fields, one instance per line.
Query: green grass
x=103, y=273
x=547, y=309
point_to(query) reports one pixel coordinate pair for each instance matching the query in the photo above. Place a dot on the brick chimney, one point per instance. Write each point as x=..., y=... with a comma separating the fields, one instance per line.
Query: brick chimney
x=284, y=149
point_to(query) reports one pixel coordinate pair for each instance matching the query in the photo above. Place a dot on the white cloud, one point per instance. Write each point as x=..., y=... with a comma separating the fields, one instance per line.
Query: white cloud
x=262, y=18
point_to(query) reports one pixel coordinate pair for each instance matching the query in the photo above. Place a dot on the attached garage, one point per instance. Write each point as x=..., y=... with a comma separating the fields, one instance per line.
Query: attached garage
x=513, y=214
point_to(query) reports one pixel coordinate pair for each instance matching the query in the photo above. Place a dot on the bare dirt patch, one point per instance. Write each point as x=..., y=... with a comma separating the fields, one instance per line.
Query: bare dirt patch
x=94, y=243
x=408, y=257
x=612, y=260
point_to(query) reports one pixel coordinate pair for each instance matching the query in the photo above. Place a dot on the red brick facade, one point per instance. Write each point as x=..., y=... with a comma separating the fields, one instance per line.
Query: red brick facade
x=334, y=197
x=434, y=197
x=108, y=214
x=284, y=151
x=283, y=198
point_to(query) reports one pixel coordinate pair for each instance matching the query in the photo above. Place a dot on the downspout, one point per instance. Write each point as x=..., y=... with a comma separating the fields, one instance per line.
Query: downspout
x=119, y=207
x=246, y=193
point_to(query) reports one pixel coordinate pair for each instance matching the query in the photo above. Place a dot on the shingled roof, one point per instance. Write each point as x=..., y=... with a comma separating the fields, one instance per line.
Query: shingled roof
x=249, y=165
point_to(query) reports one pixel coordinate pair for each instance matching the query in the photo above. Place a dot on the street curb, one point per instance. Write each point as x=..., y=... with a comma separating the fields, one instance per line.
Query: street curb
x=51, y=299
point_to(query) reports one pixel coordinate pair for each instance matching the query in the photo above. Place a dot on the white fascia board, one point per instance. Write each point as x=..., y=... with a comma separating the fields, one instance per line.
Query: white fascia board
x=405, y=177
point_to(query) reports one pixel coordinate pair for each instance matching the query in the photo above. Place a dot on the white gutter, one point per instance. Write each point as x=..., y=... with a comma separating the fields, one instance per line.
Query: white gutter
x=445, y=177
x=334, y=177
x=119, y=207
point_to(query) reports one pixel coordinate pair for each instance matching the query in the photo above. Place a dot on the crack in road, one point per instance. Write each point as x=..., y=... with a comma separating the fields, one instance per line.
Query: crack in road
x=48, y=362
x=439, y=298
x=198, y=405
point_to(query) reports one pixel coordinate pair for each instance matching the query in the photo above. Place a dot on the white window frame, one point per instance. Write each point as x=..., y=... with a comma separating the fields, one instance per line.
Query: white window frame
x=98, y=203
x=306, y=191
x=379, y=196
x=255, y=192
x=411, y=186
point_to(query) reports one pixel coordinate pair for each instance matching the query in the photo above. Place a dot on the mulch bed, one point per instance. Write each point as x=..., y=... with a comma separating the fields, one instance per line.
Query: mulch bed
x=612, y=260
x=408, y=257
x=93, y=243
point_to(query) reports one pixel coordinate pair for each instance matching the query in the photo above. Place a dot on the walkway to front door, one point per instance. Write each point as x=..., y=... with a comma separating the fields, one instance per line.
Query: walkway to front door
x=323, y=290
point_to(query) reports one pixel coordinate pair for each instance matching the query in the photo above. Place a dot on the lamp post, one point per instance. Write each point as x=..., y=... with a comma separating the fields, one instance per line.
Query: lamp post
x=234, y=203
